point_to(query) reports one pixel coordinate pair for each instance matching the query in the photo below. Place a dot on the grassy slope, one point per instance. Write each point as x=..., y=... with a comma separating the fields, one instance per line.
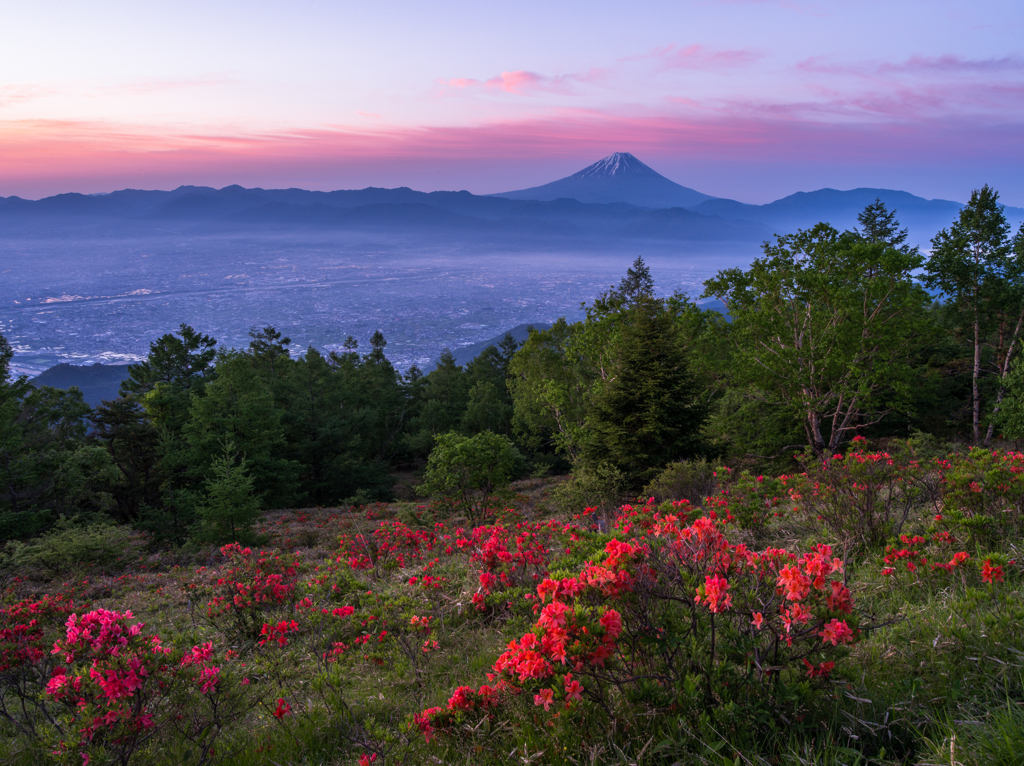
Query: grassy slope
x=939, y=681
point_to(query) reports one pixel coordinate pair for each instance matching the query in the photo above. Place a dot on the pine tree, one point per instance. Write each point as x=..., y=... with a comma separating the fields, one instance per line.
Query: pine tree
x=648, y=413
x=231, y=507
x=881, y=226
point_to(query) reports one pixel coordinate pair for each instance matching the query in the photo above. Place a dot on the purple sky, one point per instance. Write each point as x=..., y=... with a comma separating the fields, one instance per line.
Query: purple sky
x=743, y=99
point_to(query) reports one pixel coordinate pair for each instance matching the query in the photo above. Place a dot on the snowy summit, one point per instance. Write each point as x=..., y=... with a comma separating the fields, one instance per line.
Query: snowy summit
x=619, y=177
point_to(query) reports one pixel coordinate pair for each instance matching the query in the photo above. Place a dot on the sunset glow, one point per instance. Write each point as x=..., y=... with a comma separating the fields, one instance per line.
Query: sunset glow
x=750, y=100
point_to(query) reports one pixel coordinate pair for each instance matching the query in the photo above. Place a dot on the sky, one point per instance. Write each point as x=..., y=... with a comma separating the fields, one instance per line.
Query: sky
x=746, y=99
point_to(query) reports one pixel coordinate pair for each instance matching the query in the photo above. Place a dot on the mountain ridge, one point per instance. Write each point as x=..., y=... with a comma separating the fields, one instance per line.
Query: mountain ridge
x=523, y=217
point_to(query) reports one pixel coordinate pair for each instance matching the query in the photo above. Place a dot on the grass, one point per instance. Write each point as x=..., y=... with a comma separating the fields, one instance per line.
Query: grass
x=938, y=679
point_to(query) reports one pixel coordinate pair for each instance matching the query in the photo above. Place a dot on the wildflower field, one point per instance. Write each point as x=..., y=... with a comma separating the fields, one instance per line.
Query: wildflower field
x=867, y=609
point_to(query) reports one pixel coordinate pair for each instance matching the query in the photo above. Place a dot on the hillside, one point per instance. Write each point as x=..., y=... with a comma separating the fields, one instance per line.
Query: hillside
x=97, y=382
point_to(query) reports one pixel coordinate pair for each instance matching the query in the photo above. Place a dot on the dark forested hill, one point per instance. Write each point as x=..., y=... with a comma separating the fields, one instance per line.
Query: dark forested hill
x=97, y=382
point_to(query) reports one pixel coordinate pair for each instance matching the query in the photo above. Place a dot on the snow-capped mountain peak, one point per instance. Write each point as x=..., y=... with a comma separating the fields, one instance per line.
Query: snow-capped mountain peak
x=616, y=164
x=619, y=177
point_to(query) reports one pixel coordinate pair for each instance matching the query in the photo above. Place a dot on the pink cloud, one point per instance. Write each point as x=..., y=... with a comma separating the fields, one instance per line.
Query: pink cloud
x=16, y=94
x=520, y=82
x=517, y=82
x=950, y=64
x=699, y=57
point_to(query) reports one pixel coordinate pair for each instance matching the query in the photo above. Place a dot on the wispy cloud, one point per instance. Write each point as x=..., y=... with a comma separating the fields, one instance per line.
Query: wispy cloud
x=738, y=131
x=942, y=66
x=950, y=64
x=520, y=82
x=20, y=93
x=698, y=57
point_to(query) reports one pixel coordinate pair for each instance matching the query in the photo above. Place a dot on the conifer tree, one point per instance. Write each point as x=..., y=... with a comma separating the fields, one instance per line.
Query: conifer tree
x=231, y=507
x=649, y=412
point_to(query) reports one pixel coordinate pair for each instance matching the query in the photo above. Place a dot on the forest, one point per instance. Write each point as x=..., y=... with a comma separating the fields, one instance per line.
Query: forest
x=788, y=532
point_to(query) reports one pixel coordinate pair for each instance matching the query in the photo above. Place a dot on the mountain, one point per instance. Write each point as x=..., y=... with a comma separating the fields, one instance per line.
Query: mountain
x=923, y=217
x=443, y=217
x=467, y=354
x=619, y=177
x=647, y=209
x=98, y=382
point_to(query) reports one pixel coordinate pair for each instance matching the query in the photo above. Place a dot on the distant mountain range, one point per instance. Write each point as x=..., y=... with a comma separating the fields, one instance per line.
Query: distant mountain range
x=618, y=200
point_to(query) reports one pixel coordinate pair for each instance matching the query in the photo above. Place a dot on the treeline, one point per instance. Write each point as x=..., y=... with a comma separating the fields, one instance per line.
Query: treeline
x=201, y=439
x=827, y=336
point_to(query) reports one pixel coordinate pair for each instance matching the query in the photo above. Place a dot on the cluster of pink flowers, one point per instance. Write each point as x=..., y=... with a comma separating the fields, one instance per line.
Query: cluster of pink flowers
x=278, y=632
x=113, y=676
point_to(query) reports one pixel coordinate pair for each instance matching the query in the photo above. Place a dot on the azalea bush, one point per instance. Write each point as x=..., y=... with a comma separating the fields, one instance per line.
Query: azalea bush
x=674, y=618
x=101, y=688
x=28, y=630
x=252, y=585
x=983, y=493
x=861, y=497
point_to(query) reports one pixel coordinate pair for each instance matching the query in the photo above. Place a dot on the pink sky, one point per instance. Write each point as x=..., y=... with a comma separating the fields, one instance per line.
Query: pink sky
x=749, y=100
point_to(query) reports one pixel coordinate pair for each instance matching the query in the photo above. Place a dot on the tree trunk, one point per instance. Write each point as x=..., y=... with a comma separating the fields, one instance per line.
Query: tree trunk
x=976, y=391
x=1003, y=372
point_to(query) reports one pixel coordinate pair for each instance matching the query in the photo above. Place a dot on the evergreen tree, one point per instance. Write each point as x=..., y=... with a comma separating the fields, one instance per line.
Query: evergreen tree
x=329, y=436
x=231, y=507
x=488, y=408
x=122, y=429
x=269, y=351
x=442, y=395
x=180, y=359
x=637, y=284
x=648, y=413
x=239, y=406
x=44, y=460
x=880, y=226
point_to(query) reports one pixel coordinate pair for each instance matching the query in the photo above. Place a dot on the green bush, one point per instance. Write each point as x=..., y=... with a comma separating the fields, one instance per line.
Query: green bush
x=468, y=474
x=602, y=486
x=69, y=546
x=691, y=480
x=231, y=507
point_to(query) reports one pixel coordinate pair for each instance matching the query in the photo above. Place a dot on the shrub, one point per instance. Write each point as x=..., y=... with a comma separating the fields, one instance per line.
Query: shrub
x=120, y=688
x=691, y=480
x=469, y=473
x=675, y=618
x=231, y=506
x=69, y=546
x=861, y=497
x=602, y=486
x=252, y=586
x=983, y=493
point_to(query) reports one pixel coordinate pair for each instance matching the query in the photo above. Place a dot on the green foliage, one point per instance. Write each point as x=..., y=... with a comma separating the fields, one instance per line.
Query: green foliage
x=648, y=412
x=972, y=264
x=550, y=379
x=690, y=480
x=180, y=360
x=231, y=506
x=239, y=406
x=470, y=473
x=72, y=546
x=599, y=486
x=821, y=327
x=122, y=429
